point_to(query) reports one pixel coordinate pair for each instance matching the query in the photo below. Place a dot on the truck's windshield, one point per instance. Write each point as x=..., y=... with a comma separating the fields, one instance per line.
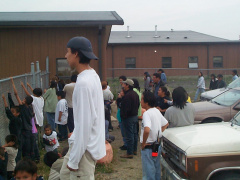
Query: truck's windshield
x=234, y=84
x=236, y=119
x=228, y=98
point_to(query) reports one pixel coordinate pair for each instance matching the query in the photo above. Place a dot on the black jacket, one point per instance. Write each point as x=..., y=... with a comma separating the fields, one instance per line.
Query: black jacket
x=221, y=84
x=130, y=104
x=213, y=84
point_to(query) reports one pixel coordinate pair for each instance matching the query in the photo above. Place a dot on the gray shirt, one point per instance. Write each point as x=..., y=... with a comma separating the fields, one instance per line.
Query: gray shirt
x=147, y=84
x=107, y=95
x=180, y=117
x=68, y=89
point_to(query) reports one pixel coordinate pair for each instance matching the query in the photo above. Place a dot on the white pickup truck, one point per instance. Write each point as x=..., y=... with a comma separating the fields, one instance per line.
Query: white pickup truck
x=203, y=151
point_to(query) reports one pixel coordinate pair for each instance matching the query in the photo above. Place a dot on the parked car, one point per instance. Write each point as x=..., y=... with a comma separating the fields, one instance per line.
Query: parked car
x=208, y=95
x=202, y=151
x=220, y=108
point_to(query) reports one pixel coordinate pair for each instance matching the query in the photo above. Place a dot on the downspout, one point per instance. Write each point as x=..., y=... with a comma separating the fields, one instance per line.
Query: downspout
x=100, y=51
x=113, y=62
x=208, y=60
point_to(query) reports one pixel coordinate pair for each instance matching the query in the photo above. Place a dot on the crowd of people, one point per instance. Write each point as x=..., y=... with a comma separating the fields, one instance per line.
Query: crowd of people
x=77, y=112
x=215, y=82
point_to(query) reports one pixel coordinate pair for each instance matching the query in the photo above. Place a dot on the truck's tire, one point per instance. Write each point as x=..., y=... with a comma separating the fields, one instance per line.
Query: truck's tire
x=210, y=120
x=226, y=175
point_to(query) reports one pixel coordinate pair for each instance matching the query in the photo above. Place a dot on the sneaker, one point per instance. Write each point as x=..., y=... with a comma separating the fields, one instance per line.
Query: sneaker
x=127, y=156
x=123, y=147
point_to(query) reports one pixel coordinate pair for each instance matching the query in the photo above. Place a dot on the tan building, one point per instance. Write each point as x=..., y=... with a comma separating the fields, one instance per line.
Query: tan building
x=131, y=53
x=27, y=37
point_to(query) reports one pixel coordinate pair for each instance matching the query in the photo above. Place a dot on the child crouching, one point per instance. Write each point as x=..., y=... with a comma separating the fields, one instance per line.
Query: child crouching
x=50, y=139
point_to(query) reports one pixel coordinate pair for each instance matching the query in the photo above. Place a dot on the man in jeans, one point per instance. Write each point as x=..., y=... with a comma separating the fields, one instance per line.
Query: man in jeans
x=129, y=116
x=153, y=124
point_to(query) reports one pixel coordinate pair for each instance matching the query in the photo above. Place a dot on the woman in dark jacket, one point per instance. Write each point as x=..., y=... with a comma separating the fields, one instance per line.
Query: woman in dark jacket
x=213, y=82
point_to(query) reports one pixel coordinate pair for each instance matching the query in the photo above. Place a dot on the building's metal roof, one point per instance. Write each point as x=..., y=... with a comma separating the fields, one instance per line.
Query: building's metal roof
x=163, y=37
x=60, y=18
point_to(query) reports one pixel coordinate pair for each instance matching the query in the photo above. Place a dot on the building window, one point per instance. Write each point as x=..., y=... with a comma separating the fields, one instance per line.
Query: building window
x=63, y=69
x=130, y=62
x=166, y=62
x=217, y=61
x=193, y=62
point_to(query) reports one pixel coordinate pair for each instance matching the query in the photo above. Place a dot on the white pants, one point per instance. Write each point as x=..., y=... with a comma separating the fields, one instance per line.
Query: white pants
x=86, y=168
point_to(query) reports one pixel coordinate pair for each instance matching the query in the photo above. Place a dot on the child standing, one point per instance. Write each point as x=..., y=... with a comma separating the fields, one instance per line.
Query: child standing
x=50, y=139
x=38, y=103
x=11, y=148
x=26, y=113
x=61, y=115
x=13, y=115
x=15, y=121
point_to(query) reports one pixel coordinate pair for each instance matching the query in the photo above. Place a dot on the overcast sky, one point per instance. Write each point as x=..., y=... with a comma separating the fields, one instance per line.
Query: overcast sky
x=219, y=18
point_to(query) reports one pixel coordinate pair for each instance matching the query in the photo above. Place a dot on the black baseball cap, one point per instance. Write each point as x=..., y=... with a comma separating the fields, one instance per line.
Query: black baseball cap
x=84, y=45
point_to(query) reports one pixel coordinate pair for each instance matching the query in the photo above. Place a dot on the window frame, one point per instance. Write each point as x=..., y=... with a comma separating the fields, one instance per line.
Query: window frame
x=129, y=64
x=192, y=65
x=214, y=66
x=164, y=63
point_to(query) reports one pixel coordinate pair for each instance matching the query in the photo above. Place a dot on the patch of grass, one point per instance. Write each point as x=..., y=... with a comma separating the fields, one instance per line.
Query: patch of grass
x=43, y=169
x=104, y=168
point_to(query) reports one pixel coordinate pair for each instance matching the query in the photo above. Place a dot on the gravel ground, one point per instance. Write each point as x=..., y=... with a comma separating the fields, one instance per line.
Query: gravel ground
x=121, y=168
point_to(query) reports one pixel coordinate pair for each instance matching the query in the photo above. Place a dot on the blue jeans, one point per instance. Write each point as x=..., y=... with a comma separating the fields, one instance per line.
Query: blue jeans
x=130, y=132
x=199, y=91
x=63, y=133
x=122, y=132
x=36, y=149
x=51, y=120
x=151, y=169
x=70, y=122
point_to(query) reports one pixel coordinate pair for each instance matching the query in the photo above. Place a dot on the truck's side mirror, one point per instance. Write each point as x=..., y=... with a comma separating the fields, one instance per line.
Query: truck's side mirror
x=237, y=107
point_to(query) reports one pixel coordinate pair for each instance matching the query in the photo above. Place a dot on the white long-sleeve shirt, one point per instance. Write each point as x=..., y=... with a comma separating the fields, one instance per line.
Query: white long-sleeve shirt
x=201, y=82
x=89, y=121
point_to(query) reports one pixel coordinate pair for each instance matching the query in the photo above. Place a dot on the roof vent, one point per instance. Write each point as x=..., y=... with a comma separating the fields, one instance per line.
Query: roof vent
x=185, y=37
x=167, y=37
x=128, y=33
x=156, y=35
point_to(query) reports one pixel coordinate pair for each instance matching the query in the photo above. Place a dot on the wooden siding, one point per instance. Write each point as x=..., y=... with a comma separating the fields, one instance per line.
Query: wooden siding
x=146, y=57
x=21, y=46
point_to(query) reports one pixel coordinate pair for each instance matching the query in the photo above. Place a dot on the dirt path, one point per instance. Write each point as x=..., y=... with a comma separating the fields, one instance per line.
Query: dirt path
x=122, y=168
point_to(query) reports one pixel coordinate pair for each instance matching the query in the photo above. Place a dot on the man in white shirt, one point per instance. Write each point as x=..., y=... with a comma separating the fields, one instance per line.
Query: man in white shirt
x=87, y=142
x=153, y=124
x=68, y=89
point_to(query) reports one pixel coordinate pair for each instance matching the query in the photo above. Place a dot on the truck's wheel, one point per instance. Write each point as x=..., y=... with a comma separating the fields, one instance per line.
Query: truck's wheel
x=230, y=175
x=210, y=120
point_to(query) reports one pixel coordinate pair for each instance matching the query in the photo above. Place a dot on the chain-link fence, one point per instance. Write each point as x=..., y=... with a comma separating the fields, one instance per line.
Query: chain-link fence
x=36, y=78
x=186, y=78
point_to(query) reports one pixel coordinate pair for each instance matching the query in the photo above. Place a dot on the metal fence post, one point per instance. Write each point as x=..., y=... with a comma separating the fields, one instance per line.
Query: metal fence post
x=47, y=72
x=33, y=75
x=38, y=74
x=25, y=79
